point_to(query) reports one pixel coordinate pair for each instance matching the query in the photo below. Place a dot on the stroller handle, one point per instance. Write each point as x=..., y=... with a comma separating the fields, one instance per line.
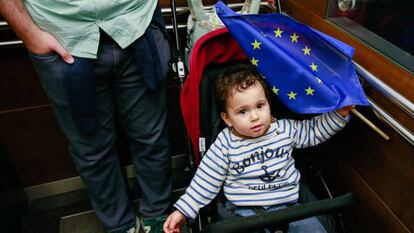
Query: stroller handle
x=198, y=13
x=267, y=219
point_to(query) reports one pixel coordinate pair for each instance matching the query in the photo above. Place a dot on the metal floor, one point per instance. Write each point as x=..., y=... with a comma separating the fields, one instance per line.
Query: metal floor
x=84, y=222
x=66, y=213
x=71, y=212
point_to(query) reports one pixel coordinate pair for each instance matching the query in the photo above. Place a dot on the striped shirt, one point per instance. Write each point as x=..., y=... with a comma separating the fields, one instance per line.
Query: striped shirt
x=259, y=171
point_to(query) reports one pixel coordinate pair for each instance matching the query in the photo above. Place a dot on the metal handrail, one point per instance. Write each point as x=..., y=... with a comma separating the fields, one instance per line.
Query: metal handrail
x=392, y=95
x=10, y=43
x=186, y=9
x=170, y=26
x=391, y=121
x=386, y=90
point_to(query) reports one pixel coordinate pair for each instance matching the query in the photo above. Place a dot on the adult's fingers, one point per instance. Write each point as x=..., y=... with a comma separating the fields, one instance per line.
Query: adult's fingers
x=63, y=53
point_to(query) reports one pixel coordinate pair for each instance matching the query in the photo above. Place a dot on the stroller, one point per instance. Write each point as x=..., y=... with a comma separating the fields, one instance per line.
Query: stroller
x=212, y=54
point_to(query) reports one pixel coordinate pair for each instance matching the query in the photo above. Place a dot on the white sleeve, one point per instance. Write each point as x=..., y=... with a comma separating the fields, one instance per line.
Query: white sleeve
x=317, y=129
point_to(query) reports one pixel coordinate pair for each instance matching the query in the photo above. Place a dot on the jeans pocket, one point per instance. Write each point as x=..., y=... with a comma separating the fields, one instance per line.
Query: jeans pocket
x=45, y=59
x=49, y=55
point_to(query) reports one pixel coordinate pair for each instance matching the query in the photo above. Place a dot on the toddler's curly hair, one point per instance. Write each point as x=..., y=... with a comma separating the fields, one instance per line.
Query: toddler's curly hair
x=238, y=78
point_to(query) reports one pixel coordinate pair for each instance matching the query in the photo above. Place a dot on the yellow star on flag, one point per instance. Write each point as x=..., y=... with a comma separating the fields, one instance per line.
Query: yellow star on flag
x=256, y=44
x=309, y=91
x=292, y=95
x=275, y=90
x=306, y=50
x=294, y=37
x=314, y=67
x=278, y=33
x=254, y=61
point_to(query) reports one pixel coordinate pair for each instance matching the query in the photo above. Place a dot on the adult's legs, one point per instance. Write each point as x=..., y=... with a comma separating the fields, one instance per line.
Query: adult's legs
x=94, y=156
x=143, y=117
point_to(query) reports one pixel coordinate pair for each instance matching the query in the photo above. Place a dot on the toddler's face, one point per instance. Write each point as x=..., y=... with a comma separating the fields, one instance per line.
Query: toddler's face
x=248, y=112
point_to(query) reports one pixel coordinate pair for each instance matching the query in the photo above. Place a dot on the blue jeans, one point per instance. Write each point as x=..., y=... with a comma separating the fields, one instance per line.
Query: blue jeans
x=122, y=97
x=307, y=225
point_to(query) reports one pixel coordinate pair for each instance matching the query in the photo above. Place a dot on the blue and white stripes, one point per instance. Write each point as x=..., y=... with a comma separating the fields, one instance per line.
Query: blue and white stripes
x=259, y=171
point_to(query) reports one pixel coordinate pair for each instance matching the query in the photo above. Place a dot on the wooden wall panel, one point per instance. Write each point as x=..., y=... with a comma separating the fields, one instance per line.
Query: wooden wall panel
x=19, y=85
x=371, y=215
x=387, y=168
x=317, y=7
x=378, y=172
x=36, y=148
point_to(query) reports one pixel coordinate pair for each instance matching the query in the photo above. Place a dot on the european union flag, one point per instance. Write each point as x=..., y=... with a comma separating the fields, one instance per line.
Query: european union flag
x=309, y=71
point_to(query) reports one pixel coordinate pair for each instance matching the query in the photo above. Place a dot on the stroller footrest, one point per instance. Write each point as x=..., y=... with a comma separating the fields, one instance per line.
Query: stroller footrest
x=268, y=219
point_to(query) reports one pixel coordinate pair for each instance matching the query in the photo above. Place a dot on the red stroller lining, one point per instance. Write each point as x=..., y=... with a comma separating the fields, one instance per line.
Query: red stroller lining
x=215, y=47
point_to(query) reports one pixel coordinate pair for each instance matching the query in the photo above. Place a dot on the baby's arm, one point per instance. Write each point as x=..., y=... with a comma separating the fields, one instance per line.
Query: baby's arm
x=173, y=222
x=207, y=180
x=318, y=129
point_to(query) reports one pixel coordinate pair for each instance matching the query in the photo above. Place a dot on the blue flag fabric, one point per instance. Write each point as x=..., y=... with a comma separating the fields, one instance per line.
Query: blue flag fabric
x=309, y=71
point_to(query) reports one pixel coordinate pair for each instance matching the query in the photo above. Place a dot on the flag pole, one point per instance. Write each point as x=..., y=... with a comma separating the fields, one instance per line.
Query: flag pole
x=370, y=124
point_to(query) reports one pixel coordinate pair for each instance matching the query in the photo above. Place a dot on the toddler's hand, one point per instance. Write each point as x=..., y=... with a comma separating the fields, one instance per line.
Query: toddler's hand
x=271, y=2
x=345, y=110
x=173, y=222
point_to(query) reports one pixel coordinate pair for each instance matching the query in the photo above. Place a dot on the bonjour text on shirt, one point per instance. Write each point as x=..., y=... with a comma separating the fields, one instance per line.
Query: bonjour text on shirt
x=259, y=171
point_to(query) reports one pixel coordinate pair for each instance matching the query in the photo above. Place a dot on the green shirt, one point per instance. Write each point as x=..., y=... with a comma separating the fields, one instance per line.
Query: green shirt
x=76, y=23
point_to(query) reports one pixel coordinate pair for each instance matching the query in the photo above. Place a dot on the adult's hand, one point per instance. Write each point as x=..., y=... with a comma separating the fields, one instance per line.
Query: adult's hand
x=35, y=40
x=43, y=43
